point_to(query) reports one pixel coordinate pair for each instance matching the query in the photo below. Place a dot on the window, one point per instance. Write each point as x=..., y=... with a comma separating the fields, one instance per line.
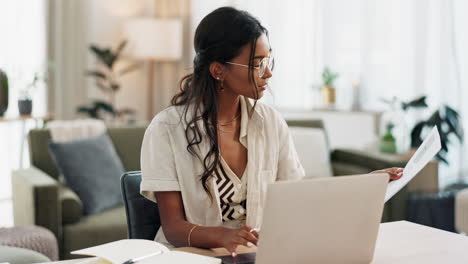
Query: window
x=22, y=53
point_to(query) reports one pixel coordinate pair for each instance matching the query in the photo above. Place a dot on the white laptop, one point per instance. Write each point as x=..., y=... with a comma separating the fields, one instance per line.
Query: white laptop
x=324, y=220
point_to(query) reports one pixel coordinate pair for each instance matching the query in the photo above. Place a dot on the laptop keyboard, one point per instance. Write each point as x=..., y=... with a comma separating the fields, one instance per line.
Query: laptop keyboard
x=247, y=258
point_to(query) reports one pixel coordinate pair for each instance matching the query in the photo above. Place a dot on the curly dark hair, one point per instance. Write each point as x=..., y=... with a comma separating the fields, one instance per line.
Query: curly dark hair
x=219, y=37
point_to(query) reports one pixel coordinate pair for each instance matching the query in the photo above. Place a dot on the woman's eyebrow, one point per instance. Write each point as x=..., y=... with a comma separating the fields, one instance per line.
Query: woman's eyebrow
x=261, y=56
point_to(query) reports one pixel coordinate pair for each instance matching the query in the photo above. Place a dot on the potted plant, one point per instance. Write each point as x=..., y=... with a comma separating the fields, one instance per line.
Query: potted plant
x=98, y=109
x=107, y=79
x=3, y=92
x=25, y=102
x=328, y=89
x=388, y=141
x=448, y=123
x=396, y=130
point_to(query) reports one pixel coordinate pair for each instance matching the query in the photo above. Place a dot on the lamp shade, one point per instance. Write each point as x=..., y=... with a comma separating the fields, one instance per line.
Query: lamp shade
x=156, y=39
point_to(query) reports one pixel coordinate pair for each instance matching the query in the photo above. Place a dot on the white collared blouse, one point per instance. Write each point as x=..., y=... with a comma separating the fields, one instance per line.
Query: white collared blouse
x=167, y=165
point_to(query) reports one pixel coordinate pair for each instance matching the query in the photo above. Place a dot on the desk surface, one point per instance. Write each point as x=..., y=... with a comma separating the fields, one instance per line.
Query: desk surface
x=398, y=242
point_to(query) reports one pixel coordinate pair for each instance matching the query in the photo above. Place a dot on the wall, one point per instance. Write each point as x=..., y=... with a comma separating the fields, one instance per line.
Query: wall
x=75, y=25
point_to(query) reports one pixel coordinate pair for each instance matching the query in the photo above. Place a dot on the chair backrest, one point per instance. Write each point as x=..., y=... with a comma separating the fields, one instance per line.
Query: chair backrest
x=127, y=142
x=312, y=146
x=309, y=123
x=142, y=214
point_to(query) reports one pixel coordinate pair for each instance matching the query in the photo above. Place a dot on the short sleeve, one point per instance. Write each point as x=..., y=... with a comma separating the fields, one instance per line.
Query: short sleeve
x=158, y=172
x=289, y=166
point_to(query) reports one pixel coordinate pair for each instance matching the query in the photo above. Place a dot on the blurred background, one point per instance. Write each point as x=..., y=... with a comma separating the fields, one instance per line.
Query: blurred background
x=378, y=73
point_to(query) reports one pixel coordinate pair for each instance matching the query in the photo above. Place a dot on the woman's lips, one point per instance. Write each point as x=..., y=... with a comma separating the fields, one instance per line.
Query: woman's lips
x=264, y=87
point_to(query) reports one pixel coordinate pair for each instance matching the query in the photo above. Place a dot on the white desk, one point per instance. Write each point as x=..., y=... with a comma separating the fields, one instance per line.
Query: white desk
x=398, y=242
x=405, y=242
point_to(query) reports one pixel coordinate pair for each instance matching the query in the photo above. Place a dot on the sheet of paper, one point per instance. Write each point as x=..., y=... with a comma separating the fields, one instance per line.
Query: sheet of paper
x=428, y=149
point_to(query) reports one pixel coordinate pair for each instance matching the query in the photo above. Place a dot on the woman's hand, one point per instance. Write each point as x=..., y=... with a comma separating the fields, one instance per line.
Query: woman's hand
x=395, y=173
x=232, y=238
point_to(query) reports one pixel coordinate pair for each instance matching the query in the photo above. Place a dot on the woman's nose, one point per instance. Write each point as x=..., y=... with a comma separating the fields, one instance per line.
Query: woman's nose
x=268, y=73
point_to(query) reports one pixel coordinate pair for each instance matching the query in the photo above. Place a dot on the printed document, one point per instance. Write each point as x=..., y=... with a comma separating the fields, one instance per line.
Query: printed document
x=428, y=149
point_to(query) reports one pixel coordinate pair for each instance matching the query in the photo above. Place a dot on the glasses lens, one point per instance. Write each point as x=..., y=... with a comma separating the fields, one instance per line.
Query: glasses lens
x=262, y=66
x=271, y=63
x=266, y=62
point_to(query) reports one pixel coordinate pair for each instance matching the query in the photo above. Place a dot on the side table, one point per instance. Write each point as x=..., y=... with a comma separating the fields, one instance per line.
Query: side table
x=24, y=119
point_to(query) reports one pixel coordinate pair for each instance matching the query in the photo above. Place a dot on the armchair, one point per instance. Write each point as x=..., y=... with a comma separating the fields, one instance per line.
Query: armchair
x=39, y=197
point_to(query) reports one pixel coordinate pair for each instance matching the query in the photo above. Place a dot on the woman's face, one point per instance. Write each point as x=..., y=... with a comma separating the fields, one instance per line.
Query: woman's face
x=236, y=78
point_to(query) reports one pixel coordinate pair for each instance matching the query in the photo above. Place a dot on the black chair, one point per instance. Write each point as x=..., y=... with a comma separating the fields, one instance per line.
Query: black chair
x=142, y=214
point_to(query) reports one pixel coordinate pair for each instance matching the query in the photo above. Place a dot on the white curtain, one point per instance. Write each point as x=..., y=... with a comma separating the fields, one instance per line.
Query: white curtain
x=23, y=49
x=67, y=49
x=392, y=48
x=22, y=54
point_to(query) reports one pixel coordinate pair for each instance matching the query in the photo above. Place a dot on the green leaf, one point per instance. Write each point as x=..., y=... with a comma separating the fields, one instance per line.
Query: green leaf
x=434, y=119
x=452, y=118
x=97, y=74
x=416, y=103
x=328, y=76
x=442, y=158
x=119, y=49
x=104, y=56
x=416, y=140
x=105, y=106
x=90, y=111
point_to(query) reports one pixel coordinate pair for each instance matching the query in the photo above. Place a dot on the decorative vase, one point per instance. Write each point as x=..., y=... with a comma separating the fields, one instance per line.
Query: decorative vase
x=388, y=142
x=328, y=95
x=25, y=107
x=395, y=123
x=3, y=93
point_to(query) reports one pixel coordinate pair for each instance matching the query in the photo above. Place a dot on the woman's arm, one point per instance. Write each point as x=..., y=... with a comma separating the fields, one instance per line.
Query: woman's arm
x=176, y=228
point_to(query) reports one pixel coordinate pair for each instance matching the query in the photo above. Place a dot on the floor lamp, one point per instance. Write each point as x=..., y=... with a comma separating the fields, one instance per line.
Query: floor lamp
x=154, y=40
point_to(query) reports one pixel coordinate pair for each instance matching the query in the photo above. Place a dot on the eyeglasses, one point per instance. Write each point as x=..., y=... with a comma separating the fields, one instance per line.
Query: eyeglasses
x=264, y=63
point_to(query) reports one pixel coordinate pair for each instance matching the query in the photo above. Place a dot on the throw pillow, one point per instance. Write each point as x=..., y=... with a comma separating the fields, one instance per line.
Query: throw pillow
x=92, y=169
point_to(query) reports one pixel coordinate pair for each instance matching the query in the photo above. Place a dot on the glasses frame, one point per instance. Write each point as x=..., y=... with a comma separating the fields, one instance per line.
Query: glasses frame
x=267, y=60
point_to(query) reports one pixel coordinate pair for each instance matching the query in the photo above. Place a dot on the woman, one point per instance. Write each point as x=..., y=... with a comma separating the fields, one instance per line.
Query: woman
x=208, y=158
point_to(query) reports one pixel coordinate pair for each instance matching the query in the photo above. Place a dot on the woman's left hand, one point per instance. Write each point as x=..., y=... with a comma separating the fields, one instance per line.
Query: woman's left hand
x=395, y=173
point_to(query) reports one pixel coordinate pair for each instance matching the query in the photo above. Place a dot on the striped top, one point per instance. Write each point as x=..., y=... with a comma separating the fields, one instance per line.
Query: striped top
x=232, y=193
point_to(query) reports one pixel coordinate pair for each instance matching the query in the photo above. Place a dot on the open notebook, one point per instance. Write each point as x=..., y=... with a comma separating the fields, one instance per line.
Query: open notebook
x=119, y=252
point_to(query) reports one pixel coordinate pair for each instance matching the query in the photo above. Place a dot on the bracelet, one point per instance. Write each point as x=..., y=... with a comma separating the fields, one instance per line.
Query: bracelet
x=190, y=234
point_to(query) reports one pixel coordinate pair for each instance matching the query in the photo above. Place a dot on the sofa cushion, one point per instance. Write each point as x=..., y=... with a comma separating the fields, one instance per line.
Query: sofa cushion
x=92, y=169
x=127, y=142
x=314, y=154
x=104, y=227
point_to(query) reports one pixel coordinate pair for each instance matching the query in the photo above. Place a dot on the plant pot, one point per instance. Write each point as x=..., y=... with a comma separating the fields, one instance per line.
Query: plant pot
x=400, y=129
x=388, y=144
x=3, y=93
x=328, y=95
x=25, y=106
